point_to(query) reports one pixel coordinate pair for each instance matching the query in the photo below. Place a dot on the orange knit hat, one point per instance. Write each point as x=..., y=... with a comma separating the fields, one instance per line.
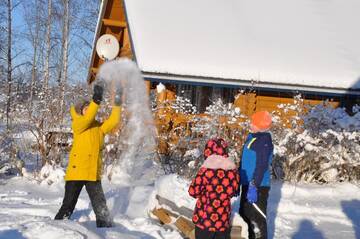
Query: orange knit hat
x=261, y=120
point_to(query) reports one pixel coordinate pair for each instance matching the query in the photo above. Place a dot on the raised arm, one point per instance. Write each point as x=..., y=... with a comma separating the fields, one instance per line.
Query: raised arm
x=115, y=115
x=112, y=121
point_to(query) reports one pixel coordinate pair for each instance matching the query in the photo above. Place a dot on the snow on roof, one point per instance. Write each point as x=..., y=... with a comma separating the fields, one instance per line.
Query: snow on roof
x=308, y=43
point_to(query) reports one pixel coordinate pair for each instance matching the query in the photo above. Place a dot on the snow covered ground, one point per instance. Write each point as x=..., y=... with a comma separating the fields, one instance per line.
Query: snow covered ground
x=295, y=211
x=314, y=211
x=27, y=210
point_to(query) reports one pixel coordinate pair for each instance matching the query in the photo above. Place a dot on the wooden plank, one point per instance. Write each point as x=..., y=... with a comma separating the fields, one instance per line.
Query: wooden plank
x=187, y=212
x=186, y=227
x=126, y=45
x=114, y=23
x=115, y=10
x=170, y=213
x=162, y=215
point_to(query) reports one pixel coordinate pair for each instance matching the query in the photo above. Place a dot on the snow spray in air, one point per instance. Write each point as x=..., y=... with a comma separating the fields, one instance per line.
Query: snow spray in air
x=137, y=138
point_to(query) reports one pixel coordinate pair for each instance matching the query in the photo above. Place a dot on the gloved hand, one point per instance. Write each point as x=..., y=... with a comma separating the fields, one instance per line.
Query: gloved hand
x=252, y=193
x=118, y=96
x=98, y=94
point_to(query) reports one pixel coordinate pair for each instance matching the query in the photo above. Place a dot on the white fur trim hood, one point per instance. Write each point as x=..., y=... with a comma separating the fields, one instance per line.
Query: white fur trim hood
x=218, y=162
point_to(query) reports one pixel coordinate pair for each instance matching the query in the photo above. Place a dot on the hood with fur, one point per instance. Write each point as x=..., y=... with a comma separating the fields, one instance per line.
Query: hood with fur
x=218, y=162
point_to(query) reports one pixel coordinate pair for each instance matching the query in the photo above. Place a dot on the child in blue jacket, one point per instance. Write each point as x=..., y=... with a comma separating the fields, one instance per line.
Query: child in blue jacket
x=255, y=174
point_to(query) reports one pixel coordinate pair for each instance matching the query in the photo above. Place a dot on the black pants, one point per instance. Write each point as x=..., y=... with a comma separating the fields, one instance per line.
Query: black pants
x=256, y=222
x=97, y=198
x=204, y=234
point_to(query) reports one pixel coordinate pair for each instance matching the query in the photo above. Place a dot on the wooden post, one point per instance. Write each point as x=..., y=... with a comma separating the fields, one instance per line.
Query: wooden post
x=148, y=86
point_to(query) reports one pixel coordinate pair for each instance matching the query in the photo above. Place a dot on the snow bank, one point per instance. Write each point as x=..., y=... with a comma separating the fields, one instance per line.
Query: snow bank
x=50, y=174
x=174, y=188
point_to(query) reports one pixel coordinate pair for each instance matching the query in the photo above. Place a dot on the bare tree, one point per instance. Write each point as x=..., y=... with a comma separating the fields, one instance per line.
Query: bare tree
x=2, y=40
x=65, y=46
x=29, y=74
x=48, y=48
x=9, y=57
x=34, y=23
x=9, y=62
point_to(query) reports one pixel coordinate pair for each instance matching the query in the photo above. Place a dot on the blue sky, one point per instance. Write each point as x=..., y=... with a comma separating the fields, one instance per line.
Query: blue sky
x=77, y=72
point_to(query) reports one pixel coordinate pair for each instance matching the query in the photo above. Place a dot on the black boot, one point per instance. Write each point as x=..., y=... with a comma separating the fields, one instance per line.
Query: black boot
x=102, y=223
x=62, y=215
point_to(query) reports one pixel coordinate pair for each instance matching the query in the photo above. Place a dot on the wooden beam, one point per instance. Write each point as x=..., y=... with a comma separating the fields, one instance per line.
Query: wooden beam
x=162, y=215
x=94, y=70
x=186, y=226
x=114, y=23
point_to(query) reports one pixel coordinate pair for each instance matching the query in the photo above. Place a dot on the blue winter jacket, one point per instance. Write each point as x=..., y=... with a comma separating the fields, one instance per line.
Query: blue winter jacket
x=256, y=159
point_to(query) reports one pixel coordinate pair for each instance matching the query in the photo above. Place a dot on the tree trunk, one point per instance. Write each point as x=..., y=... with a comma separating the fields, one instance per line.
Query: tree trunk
x=35, y=42
x=65, y=45
x=33, y=76
x=48, y=50
x=9, y=65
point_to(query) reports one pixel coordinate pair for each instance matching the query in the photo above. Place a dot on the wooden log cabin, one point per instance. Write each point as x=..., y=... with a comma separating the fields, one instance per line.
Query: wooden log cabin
x=270, y=50
x=208, y=49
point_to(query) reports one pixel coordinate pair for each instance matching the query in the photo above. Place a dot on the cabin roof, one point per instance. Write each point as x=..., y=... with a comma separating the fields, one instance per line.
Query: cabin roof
x=311, y=44
x=306, y=45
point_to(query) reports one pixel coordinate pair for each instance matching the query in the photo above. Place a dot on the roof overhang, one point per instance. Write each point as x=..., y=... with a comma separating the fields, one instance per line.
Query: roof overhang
x=235, y=83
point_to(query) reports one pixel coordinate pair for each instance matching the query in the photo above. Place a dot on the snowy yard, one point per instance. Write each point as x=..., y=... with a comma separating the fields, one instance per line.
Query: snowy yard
x=164, y=130
x=295, y=211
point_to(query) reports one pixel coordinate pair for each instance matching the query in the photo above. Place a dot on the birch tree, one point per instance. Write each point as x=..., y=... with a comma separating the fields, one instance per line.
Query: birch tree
x=9, y=63
x=48, y=48
x=3, y=15
x=64, y=62
x=32, y=10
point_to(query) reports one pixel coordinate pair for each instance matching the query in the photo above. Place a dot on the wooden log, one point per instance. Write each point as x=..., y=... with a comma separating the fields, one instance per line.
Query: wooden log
x=186, y=227
x=171, y=213
x=162, y=215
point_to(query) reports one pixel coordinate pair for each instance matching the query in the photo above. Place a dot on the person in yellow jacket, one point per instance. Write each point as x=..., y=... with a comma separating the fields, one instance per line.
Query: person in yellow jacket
x=85, y=163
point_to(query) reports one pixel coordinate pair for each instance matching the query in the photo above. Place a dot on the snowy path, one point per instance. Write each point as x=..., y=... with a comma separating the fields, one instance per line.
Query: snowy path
x=295, y=211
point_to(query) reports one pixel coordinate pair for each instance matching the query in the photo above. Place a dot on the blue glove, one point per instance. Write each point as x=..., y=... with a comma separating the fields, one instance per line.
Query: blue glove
x=252, y=193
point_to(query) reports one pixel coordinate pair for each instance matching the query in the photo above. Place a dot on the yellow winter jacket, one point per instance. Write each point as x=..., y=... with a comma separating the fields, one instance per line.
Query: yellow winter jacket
x=88, y=139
